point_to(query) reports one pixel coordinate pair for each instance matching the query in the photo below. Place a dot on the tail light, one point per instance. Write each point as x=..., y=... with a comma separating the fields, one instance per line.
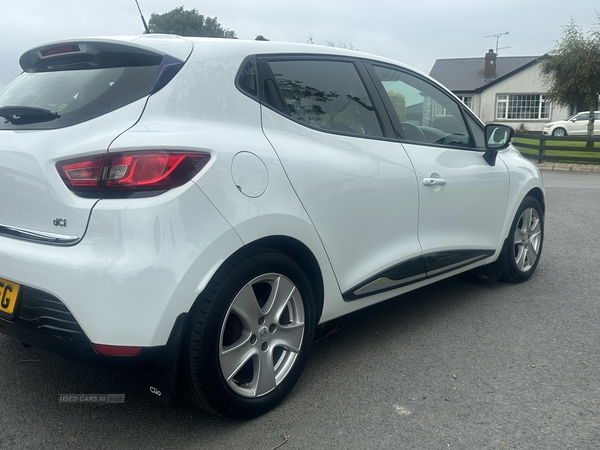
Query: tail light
x=128, y=174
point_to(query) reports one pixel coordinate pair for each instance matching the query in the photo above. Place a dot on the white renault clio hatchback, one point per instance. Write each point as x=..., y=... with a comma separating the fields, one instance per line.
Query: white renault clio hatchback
x=193, y=208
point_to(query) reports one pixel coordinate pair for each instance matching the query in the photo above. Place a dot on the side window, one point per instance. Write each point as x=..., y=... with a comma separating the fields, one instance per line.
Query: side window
x=247, y=78
x=426, y=113
x=326, y=95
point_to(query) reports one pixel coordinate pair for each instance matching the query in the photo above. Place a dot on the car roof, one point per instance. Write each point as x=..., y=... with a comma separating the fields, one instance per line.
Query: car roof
x=176, y=46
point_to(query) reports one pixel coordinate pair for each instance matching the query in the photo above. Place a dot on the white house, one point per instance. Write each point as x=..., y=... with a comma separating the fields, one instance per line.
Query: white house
x=507, y=89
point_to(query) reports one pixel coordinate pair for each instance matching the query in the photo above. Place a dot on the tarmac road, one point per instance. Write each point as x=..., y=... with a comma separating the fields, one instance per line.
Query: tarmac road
x=460, y=364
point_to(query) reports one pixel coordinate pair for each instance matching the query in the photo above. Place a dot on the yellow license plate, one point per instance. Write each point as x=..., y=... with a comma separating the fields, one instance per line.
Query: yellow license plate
x=9, y=292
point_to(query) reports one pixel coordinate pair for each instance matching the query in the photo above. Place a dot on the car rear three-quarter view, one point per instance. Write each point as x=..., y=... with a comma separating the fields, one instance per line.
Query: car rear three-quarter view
x=191, y=209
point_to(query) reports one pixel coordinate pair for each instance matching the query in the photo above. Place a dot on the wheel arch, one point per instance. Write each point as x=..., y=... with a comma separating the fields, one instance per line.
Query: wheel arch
x=293, y=248
x=300, y=253
x=530, y=191
x=539, y=196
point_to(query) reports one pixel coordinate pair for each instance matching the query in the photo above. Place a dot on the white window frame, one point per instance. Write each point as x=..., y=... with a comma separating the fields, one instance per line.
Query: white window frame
x=467, y=100
x=522, y=107
x=439, y=110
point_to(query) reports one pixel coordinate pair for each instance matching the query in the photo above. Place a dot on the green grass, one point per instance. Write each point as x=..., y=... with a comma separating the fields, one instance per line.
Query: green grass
x=594, y=158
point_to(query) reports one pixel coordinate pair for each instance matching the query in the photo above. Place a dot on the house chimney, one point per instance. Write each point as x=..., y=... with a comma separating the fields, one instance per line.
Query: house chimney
x=489, y=70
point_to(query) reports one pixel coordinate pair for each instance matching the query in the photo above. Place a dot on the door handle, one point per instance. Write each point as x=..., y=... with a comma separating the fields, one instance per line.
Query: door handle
x=434, y=181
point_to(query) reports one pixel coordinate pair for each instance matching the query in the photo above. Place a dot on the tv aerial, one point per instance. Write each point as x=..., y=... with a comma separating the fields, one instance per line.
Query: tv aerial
x=497, y=36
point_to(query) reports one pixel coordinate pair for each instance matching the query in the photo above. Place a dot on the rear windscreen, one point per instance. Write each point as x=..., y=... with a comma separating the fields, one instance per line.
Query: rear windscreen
x=67, y=83
x=68, y=97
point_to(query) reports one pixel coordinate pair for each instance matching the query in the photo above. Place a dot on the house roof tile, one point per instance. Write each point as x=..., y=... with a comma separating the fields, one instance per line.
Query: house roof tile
x=466, y=74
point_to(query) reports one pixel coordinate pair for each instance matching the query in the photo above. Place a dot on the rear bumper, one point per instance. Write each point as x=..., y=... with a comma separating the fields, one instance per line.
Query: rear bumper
x=43, y=321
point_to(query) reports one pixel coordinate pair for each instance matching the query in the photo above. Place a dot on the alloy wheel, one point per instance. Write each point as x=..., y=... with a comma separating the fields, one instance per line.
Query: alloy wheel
x=261, y=335
x=527, y=239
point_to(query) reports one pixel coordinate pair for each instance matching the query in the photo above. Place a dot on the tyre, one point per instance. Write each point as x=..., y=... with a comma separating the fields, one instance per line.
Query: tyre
x=559, y=132
x=249, y=335
x=523, y=246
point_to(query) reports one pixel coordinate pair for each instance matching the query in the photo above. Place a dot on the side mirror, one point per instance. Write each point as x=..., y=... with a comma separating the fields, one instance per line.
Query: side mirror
x=497, y=137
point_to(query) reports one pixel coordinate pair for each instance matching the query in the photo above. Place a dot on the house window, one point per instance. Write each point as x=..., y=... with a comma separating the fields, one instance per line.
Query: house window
x=467, y=100
x=522, y=106
x=439, y=110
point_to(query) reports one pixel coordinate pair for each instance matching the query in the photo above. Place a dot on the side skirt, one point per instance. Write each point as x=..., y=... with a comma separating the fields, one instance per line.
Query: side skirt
x=415, y=270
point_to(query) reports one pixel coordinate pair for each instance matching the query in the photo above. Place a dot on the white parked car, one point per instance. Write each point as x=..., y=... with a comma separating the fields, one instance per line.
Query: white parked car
x=576, y=125
x=193, y=208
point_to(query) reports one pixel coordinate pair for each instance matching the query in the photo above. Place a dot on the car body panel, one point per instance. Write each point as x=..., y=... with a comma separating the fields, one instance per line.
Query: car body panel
x=277, y=211
x=467, y=212
x=343, y=182
x=525, y=179
x=137, y=268
x=32, y=194
x=358, y=205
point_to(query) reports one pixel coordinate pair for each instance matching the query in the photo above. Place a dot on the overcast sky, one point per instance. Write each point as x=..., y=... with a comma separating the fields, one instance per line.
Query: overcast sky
x=415, y=32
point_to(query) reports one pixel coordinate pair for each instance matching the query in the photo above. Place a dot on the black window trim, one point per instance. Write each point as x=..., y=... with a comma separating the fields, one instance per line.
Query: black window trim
x=264, y=74
x=380, y=110
x=388, y=119
x=385, y=100
x=238, y=76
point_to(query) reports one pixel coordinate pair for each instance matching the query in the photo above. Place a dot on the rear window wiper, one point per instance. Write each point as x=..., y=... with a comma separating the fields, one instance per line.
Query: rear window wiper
x=26, y=114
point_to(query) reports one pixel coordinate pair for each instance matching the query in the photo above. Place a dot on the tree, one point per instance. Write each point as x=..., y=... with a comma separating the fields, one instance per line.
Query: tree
x=572, y=69
x=188, y=23
x=399, y=103
x=260, y=37
x=310, y=40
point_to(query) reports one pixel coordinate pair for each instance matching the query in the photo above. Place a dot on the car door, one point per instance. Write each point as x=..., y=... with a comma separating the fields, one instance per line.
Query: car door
x=354, y=180
x=462, y=199
x=579, y=124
